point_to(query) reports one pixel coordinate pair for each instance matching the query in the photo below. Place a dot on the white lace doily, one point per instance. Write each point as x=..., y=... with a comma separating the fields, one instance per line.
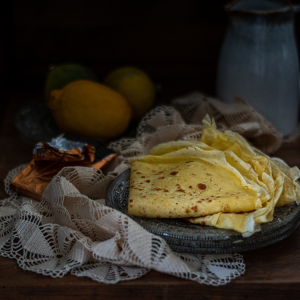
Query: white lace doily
x=71, y=230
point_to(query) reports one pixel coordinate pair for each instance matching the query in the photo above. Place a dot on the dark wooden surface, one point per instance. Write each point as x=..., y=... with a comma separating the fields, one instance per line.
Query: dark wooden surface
x=271, y=273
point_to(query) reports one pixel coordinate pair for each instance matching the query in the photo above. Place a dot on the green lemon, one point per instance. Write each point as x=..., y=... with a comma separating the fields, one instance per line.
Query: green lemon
x=61, y=75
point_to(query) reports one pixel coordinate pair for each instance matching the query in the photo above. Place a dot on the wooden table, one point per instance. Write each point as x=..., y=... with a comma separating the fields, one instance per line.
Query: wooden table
x=271, y=273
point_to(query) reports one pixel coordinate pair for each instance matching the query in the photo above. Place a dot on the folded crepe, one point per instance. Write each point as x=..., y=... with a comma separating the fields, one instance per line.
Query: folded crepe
x=219, y=181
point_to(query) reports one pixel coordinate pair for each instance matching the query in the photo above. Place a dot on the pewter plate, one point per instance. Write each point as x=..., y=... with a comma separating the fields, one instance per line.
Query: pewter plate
x=189, y=238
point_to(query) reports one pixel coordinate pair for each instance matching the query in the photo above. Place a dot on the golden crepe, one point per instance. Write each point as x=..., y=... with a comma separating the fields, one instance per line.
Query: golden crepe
x=219, y=181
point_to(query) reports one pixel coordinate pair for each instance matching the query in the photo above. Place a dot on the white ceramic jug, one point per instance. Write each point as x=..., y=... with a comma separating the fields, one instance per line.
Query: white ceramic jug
x=259, y=60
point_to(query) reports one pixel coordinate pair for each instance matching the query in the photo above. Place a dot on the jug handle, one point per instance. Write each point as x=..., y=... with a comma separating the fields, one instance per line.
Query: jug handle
x=296, y=7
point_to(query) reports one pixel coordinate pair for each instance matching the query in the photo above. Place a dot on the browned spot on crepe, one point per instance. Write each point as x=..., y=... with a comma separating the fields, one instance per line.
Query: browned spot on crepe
x=201, y=186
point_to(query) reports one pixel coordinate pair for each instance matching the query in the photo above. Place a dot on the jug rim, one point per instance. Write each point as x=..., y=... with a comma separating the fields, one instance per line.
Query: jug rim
x=228, y=7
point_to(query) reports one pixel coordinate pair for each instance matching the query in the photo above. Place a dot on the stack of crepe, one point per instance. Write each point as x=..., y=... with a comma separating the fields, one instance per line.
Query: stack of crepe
x=218, y=181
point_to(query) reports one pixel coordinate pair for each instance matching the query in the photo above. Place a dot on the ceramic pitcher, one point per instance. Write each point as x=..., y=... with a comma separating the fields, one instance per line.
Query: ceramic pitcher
x=259, y=60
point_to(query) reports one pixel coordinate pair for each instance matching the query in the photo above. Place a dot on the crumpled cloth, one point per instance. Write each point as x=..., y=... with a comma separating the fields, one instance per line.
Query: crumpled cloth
x=238, y=116
x=71, y=229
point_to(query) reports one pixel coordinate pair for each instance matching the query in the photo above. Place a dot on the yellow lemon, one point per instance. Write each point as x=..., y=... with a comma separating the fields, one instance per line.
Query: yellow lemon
x=90, y=109
x=135, y=86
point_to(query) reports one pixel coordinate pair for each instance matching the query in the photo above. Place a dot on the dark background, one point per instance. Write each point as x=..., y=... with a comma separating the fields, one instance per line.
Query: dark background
x=177, y=42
